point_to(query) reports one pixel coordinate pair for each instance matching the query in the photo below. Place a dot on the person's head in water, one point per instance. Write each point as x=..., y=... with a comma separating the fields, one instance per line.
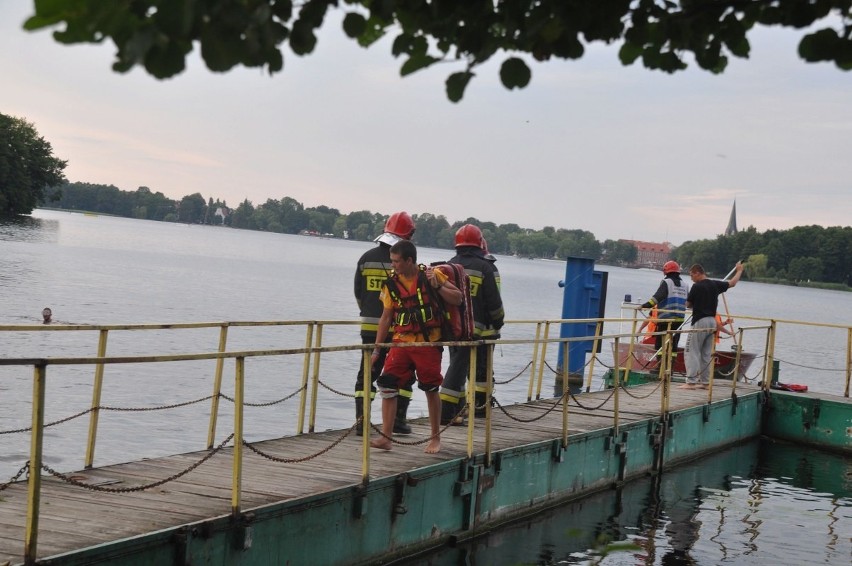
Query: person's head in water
x=46, y=315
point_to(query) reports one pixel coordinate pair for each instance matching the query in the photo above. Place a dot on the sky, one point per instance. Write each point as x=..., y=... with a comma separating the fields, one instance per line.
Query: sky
x=622, y=152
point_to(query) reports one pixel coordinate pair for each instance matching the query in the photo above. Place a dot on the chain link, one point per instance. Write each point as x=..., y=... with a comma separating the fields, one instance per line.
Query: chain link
x=305, y=458
x=54, y=423
x=70, y=479
x=335, y=391
x=24, y=468
x=158, y=408
x=811, y=367
x=517, y=375
x=268, y=403
x=532, y=420
x=604, y=402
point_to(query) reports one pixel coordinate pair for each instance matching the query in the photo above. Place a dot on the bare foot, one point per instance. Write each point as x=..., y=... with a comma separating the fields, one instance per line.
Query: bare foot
x=686, y=386
x=701, y=386
x=382, y=443
x=434, y=446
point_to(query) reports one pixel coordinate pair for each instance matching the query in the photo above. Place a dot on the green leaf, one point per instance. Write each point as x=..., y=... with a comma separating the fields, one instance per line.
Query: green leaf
x=402, y=44
x=282, y=9
x=416, y=62
x=302, y=38
x=354, y=24
x=820, y=46
x=166, y=62
x=514, y=73
x=629, y=52
x=456, y=84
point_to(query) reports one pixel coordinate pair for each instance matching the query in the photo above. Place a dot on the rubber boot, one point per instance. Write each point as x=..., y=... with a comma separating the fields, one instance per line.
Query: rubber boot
x=400, y=425
x=449, y=411
x=359, y=412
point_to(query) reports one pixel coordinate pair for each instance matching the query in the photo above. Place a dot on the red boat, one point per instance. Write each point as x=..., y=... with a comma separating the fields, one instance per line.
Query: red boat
x=643, y=360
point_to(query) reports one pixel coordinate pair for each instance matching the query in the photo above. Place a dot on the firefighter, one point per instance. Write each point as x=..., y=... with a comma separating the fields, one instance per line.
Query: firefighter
x=372, y=270
x=487, y=306
x=670, y=302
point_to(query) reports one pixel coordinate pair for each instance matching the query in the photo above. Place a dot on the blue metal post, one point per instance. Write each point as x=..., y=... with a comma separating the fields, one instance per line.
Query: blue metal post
x=584, y=297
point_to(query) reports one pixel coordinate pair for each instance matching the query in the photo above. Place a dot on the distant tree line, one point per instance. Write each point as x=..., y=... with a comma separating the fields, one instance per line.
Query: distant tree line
x=289, y=216
x=805, y=253
x=800, y=254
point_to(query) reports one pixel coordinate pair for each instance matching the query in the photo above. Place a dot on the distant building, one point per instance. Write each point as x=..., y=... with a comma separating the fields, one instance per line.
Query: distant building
x=222, y=212
x=732, y=221
x=651, y=254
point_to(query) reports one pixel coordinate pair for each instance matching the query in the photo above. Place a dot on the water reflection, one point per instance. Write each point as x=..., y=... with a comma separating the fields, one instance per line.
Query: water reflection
x=759, y=503
x=29, y=229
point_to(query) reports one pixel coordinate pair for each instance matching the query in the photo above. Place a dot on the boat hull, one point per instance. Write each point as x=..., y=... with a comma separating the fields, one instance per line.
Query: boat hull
x=642, y=360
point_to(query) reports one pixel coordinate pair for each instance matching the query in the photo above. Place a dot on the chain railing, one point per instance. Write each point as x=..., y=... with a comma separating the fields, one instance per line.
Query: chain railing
x=307, y=389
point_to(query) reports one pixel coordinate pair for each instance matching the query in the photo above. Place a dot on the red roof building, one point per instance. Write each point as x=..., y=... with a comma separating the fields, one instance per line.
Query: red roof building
x=651, y=254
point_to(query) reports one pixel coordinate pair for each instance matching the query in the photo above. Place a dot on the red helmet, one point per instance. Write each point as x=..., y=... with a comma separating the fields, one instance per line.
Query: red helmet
x=400, y=224
x=671, y=267
x=469, y=235
x=483, y=245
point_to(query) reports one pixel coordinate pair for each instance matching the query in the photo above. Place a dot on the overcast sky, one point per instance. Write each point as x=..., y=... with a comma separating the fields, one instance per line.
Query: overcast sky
x=620, y=151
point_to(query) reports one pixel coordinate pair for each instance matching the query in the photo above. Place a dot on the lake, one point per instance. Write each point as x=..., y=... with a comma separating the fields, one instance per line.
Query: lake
x=104, y=270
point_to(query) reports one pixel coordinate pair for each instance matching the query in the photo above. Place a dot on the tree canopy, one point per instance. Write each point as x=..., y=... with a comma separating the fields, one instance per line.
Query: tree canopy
x=27, y=167
x=663, y=34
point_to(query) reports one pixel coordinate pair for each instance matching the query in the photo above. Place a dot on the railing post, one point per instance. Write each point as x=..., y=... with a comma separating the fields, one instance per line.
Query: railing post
x=565, y=396
x=96, y=401
x=615, y=394
x=534, y=365
x=630, y=348
x=736, y=375
x=34, y=479
x=315, y=380
x=367, y=360
x=489, y=388
x=770, y=354
x=217, y=387
x=595, y=342
x=470, y=392
x=306, y=368
x=239, y=390
x=711, y=372
x=666, y=377
x=848, y=362
x=543, y=360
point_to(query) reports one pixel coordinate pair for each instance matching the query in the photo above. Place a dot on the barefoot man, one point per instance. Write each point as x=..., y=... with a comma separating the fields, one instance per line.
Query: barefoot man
x=408, y=306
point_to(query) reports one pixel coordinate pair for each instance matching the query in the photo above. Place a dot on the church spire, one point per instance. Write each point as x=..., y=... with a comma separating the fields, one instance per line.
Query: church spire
x=732, y=222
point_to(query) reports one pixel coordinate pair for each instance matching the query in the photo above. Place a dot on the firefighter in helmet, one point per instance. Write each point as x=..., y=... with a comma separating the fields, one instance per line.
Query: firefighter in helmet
x=487, y=307
x=670, y=303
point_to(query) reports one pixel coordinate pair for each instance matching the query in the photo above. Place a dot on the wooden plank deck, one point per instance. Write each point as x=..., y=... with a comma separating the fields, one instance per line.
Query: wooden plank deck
x=73, y=518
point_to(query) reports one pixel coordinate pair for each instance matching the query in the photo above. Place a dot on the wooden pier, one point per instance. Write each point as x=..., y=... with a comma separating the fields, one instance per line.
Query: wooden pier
x=73, y=517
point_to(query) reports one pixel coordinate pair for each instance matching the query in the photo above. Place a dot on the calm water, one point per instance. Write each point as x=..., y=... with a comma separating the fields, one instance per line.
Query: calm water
x=103, y=270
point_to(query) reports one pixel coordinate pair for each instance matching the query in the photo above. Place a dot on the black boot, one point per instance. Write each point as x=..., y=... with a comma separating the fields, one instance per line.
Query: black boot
x=449, y=412
x=359, y=412
x=400, y=424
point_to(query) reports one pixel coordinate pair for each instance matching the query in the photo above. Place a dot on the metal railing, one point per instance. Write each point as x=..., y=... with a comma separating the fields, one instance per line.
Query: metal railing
x=312, y=353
